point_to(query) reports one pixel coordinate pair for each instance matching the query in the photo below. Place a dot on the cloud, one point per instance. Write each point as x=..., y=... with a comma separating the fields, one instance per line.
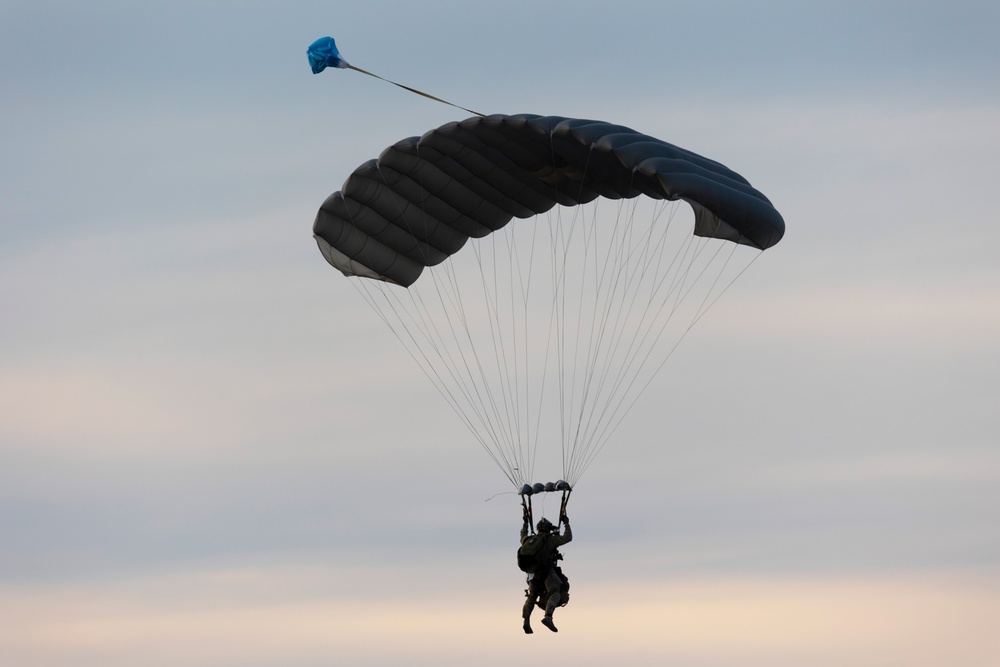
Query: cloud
x=893, y=314
x=308, y=613
x=83, y=406
x=964, y=465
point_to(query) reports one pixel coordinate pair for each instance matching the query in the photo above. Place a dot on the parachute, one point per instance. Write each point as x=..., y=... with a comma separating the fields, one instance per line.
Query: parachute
x=569, y=315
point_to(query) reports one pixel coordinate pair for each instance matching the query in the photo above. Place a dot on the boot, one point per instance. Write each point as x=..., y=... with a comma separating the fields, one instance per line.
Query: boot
x=547, y=622
x=527, y=627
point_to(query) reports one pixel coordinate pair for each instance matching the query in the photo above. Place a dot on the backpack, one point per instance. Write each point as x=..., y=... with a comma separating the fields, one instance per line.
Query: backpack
x=531, y=554
x=543, y=597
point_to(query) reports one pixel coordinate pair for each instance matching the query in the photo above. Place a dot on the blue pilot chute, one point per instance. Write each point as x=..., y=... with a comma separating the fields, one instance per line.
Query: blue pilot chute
x=323, y=53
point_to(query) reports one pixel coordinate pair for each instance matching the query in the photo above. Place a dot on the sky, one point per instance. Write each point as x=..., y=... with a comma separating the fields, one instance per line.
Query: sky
x=212, y=452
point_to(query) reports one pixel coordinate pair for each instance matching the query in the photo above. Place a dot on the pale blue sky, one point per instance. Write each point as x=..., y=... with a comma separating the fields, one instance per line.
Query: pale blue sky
x=203, y=425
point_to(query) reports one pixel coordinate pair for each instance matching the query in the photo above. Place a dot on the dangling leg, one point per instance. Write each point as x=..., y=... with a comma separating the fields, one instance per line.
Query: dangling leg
x=526, y=614
x=553, y=584
x=531, y=596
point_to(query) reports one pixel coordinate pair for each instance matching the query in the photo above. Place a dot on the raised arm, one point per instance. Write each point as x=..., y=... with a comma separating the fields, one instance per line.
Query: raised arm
x=526, y=523
x=567, y=534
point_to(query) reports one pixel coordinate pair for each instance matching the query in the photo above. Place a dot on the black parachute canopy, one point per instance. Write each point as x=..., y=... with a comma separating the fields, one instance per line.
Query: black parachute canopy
x=424, y=197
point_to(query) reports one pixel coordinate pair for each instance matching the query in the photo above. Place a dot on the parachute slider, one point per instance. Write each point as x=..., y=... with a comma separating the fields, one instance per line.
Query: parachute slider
x=538, y=487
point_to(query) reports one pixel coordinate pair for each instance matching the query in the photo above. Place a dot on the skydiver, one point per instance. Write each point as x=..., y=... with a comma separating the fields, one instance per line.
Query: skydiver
x=547, y=586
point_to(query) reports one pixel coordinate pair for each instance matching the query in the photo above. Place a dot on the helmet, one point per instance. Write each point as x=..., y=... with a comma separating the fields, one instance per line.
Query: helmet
x=545, y=526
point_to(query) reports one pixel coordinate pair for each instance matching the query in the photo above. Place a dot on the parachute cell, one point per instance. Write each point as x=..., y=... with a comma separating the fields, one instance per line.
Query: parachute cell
x=425, y=197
